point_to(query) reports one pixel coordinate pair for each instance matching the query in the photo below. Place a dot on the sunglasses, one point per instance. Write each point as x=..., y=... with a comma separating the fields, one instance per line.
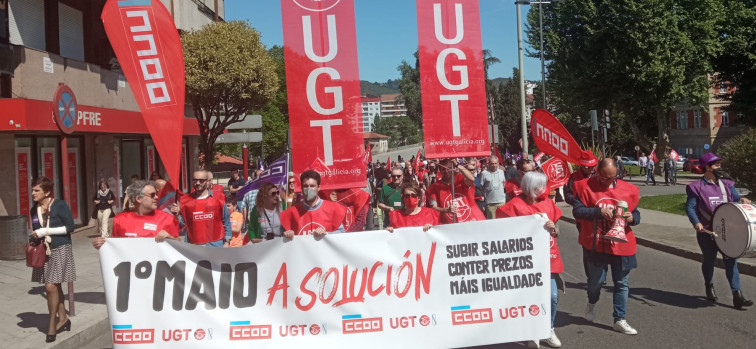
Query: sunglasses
x=275, y=193
x=199, y=180
x=152, y=195
x=399, y=176
x=607, y=178
x=413, y=195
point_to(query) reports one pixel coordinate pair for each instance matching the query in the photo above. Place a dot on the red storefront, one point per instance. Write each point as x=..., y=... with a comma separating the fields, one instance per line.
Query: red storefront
x=105, y=144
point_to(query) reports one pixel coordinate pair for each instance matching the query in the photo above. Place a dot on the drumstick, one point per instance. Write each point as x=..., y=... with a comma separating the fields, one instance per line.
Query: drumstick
x=710, y=233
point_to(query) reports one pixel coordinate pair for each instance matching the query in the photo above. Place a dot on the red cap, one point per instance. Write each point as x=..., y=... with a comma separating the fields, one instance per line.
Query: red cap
x=587, y=158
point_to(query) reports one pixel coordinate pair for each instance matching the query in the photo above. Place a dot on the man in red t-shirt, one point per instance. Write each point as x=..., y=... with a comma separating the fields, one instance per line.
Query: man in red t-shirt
x=312, y=215
x=206, y=217
x=440, y=199
x=596, y=199
x=512, y=185
x=587, y=169
x=145, y=220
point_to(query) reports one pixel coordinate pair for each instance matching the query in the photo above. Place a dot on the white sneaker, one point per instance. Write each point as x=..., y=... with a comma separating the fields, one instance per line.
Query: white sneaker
x=623, y=327
x=533, y=344
x=553, y=340
x=589, y=314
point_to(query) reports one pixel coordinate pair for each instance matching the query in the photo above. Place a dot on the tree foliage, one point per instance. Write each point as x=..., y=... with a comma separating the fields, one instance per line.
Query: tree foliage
x=637, y=57
x=739, y=158
x=401, y=130
x=736, y=65
x=506, y=111
x=228, y=74
x=409, y=86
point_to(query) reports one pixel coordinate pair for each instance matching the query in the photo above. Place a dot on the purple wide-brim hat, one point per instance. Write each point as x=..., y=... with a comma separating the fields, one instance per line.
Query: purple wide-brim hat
x=707, y=159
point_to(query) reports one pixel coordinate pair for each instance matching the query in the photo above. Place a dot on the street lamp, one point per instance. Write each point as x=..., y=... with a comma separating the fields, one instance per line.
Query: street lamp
x=522, y=77
x=540, y=24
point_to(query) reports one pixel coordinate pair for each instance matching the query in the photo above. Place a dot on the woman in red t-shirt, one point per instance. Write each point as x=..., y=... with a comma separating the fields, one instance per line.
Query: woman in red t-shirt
x=532, y=201
x=412, y=215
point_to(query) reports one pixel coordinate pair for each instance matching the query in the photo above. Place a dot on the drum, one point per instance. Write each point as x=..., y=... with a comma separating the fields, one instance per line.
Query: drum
x=735, y=226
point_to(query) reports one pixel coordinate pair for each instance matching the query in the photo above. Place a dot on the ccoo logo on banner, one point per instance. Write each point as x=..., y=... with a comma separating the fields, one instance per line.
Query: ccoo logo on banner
x=456, y=285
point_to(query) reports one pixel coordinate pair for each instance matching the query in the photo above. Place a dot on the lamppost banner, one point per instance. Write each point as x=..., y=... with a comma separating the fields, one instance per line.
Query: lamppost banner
x=323, y=84
x=452, y=79
x=456, y=285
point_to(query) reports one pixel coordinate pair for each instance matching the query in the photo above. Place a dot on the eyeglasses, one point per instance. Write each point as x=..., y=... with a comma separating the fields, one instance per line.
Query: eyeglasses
x=413, y=195
x=607, y=178
x=397, y=176
x=199, y=180
x=275, y=193
x=152, y=195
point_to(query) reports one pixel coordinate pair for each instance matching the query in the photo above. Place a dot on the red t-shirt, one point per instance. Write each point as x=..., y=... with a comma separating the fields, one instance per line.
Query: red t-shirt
x=512, y=188
x=330, y=216
x=593, y=194
x=204, y=218
x=518, y=207
x=464, y=197
x=425, y=216
x=131, y=225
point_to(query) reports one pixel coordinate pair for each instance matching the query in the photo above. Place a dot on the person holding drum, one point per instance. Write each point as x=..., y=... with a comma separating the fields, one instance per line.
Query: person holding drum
x=704, y=196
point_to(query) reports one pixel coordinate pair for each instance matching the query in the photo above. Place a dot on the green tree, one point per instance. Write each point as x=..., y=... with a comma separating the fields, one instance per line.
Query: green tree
x=637, y=57
x=736, y=65
x=506, y=111
x=409, y=86
x=739, y=158
x=401, y=130
x=228, y=74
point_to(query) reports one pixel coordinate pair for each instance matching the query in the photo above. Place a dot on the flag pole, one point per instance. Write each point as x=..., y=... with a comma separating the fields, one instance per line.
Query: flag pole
x=454, y=214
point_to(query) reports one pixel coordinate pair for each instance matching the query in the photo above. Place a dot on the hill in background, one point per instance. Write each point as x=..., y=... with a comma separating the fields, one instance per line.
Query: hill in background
x=379, y=88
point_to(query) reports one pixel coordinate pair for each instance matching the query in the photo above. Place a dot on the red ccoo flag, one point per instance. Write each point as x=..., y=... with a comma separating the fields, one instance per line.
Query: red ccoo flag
x=148, y=47
x=552, y=137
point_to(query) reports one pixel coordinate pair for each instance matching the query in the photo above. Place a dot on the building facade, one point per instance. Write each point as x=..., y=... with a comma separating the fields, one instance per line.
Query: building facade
x=695, y=131
x=371, y=107
x=54, y=43
x=392, y=105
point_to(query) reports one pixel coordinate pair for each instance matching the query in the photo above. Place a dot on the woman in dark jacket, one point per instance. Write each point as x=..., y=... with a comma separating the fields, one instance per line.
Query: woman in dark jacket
x=104, y=200
x=52, y=221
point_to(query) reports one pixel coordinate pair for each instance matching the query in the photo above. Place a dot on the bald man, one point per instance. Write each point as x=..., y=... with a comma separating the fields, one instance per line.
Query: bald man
x=595, y=201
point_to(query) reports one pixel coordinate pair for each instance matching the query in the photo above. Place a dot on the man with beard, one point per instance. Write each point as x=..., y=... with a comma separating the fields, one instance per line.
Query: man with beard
x=587, y=169
x=462, y=207
x=207, y=218
x=596, y=199
x=313, y=215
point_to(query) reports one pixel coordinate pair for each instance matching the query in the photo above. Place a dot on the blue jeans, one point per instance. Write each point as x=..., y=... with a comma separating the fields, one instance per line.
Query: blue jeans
x=596, y=272
x=650, y=176
x=709, y=251
x=554, y=298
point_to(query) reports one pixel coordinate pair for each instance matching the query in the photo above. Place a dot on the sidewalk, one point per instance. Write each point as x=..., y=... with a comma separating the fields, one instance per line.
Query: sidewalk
x=23, y=308
x=669, y=233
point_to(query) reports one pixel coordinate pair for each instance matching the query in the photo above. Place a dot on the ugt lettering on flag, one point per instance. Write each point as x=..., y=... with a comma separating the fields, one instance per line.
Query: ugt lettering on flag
x=323, y=84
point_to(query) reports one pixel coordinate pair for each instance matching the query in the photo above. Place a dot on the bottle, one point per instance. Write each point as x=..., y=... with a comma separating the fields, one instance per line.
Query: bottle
x=617, y=232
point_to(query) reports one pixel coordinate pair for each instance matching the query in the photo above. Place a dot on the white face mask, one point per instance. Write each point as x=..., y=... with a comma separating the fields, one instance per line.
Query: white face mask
x=309, y=193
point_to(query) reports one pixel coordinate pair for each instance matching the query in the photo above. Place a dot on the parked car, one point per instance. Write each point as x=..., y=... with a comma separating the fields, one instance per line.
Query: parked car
x=680, y=162
x=691, y=165
x=627, y=160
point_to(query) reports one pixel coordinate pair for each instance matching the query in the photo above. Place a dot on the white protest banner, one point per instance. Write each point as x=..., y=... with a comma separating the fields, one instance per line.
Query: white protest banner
x=456, y=285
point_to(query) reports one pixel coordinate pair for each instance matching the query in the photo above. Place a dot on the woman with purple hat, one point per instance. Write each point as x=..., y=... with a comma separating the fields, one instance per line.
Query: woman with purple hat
x=704, y=196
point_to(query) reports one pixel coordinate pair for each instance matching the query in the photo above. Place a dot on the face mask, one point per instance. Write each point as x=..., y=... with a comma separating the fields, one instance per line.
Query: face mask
x=410, y=202
x=719, y=173
x=309, y=194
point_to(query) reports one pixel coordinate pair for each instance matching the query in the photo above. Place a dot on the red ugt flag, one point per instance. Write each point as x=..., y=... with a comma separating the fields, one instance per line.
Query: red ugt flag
x=452, y=80
x=323, y=83
x=148, y=47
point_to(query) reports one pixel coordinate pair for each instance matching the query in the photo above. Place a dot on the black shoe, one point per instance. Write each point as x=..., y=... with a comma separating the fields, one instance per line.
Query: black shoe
x=710, y=293
x=66, y=326
x=50, y=338
x=739, y=301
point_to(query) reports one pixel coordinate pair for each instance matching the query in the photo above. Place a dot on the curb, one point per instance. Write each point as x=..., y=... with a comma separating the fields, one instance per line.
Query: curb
x=85, y=336
x=746, y=269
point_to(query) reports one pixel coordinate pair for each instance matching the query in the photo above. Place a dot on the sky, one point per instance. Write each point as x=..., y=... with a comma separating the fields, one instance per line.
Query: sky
x=387, y=33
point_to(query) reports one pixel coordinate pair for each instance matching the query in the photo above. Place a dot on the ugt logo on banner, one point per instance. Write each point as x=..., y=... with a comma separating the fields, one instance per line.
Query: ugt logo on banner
x=320, y=46
x=452, y=79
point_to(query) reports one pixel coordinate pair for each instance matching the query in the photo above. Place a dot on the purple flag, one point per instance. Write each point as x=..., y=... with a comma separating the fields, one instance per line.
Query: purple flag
x=276, y=174
x=507, y=155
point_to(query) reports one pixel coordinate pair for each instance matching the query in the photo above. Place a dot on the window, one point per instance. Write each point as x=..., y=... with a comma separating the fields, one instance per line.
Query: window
x=725, y=119
x=697, y=119
x=741, y=123
x=682, y=120
x=722, y=88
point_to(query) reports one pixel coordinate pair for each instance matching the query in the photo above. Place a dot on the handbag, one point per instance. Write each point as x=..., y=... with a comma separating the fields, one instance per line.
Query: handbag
x=37, y=249
x=36, y=253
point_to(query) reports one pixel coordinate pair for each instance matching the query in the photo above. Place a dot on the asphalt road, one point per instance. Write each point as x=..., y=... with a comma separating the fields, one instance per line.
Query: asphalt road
x=666, y=305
